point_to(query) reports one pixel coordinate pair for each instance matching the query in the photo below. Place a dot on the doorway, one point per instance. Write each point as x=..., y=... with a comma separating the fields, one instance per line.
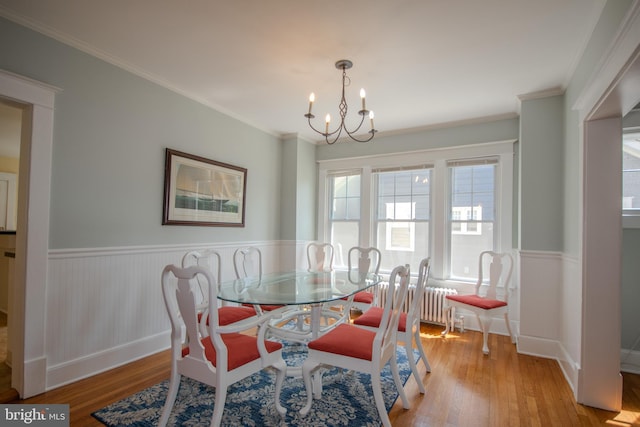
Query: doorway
x=613, y=92
x=10, y=131
x=27, y=314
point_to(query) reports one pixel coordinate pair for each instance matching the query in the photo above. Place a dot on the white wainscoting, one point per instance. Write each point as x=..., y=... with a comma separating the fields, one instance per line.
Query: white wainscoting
x=105, y=306
x=541, y=282
x=551, y=309
x=571, y=320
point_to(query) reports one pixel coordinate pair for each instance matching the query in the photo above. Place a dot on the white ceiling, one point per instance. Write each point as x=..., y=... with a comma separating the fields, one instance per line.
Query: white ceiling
x=422, y=62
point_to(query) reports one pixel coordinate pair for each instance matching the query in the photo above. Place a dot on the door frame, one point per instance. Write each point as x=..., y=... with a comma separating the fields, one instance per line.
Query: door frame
x=28, y=306
x=612, y=91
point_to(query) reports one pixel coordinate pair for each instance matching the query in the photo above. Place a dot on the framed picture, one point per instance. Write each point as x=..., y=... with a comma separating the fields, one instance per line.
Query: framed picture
x=199, y=191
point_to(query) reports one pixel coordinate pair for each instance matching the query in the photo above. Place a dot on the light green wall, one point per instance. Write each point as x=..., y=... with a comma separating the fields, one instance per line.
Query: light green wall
x=429, y=138
x=111, y=129
x=307, y=178
x=299, y=187
x=541, y=173
x=630, y=288
x=289, y=188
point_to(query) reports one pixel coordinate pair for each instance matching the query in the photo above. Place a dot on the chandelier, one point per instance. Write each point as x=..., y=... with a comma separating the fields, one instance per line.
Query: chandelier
x=332, y=137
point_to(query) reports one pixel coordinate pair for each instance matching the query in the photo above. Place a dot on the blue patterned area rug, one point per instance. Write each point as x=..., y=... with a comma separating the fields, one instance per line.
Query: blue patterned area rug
x=347, y=400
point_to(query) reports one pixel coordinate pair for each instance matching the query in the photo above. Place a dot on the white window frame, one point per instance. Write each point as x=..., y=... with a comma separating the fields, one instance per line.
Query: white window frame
x=439, y=245
x=630, y=217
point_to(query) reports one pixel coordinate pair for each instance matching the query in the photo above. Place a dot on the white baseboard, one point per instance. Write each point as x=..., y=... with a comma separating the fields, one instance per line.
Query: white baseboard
x=541, y=347
x=630, y=361
x=551, y=349
x=34, y=377
x=74, y=370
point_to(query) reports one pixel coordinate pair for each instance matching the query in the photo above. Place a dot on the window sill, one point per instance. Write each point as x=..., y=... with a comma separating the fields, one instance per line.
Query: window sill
x=630, y=221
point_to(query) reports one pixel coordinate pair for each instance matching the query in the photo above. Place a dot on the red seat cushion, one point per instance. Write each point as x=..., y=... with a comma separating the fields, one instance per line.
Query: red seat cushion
x=265, y=307
x=363, y=297
x=477, y=301
x=230, y=314
x=347, y=340
x=241, y=349
x=372, y=318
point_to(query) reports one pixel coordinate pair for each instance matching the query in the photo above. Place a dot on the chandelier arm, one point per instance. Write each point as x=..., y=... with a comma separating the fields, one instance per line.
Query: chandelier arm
x=325, y=134
x=343, y=64
x=334, y=140
x=356, y=129
x=309, y=117
x=372, y=132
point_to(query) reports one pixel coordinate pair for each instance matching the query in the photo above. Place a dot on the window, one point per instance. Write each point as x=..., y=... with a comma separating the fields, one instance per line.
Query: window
x=631, y=173
x=344, y=219
x=459, y=213
x=402, y=215
x=472, y=214
x=446, y=204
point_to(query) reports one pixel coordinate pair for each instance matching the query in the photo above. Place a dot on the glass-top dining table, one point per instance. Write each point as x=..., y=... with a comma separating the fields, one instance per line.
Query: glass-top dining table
x=302, y=294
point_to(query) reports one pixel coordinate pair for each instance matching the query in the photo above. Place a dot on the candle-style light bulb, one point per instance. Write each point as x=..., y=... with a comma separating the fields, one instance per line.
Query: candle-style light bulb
x=362, y=95
x=327, y=119
x=371, y=115
x=312, y=98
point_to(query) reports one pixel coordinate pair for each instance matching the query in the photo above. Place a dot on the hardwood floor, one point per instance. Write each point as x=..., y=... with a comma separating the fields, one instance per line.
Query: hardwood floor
x=464, y=388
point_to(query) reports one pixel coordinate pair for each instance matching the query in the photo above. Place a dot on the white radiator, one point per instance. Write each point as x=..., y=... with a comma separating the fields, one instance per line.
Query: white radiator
x=432, y=305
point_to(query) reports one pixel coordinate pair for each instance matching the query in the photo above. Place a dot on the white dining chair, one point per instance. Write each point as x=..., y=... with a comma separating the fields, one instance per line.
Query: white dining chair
x=320, y=257
x=247, y=263
x=408, y=325
x=210, y=259
x=360, y=261
x=224, y=355
x=353, y=348
x=490, y=299
x=366, y=260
